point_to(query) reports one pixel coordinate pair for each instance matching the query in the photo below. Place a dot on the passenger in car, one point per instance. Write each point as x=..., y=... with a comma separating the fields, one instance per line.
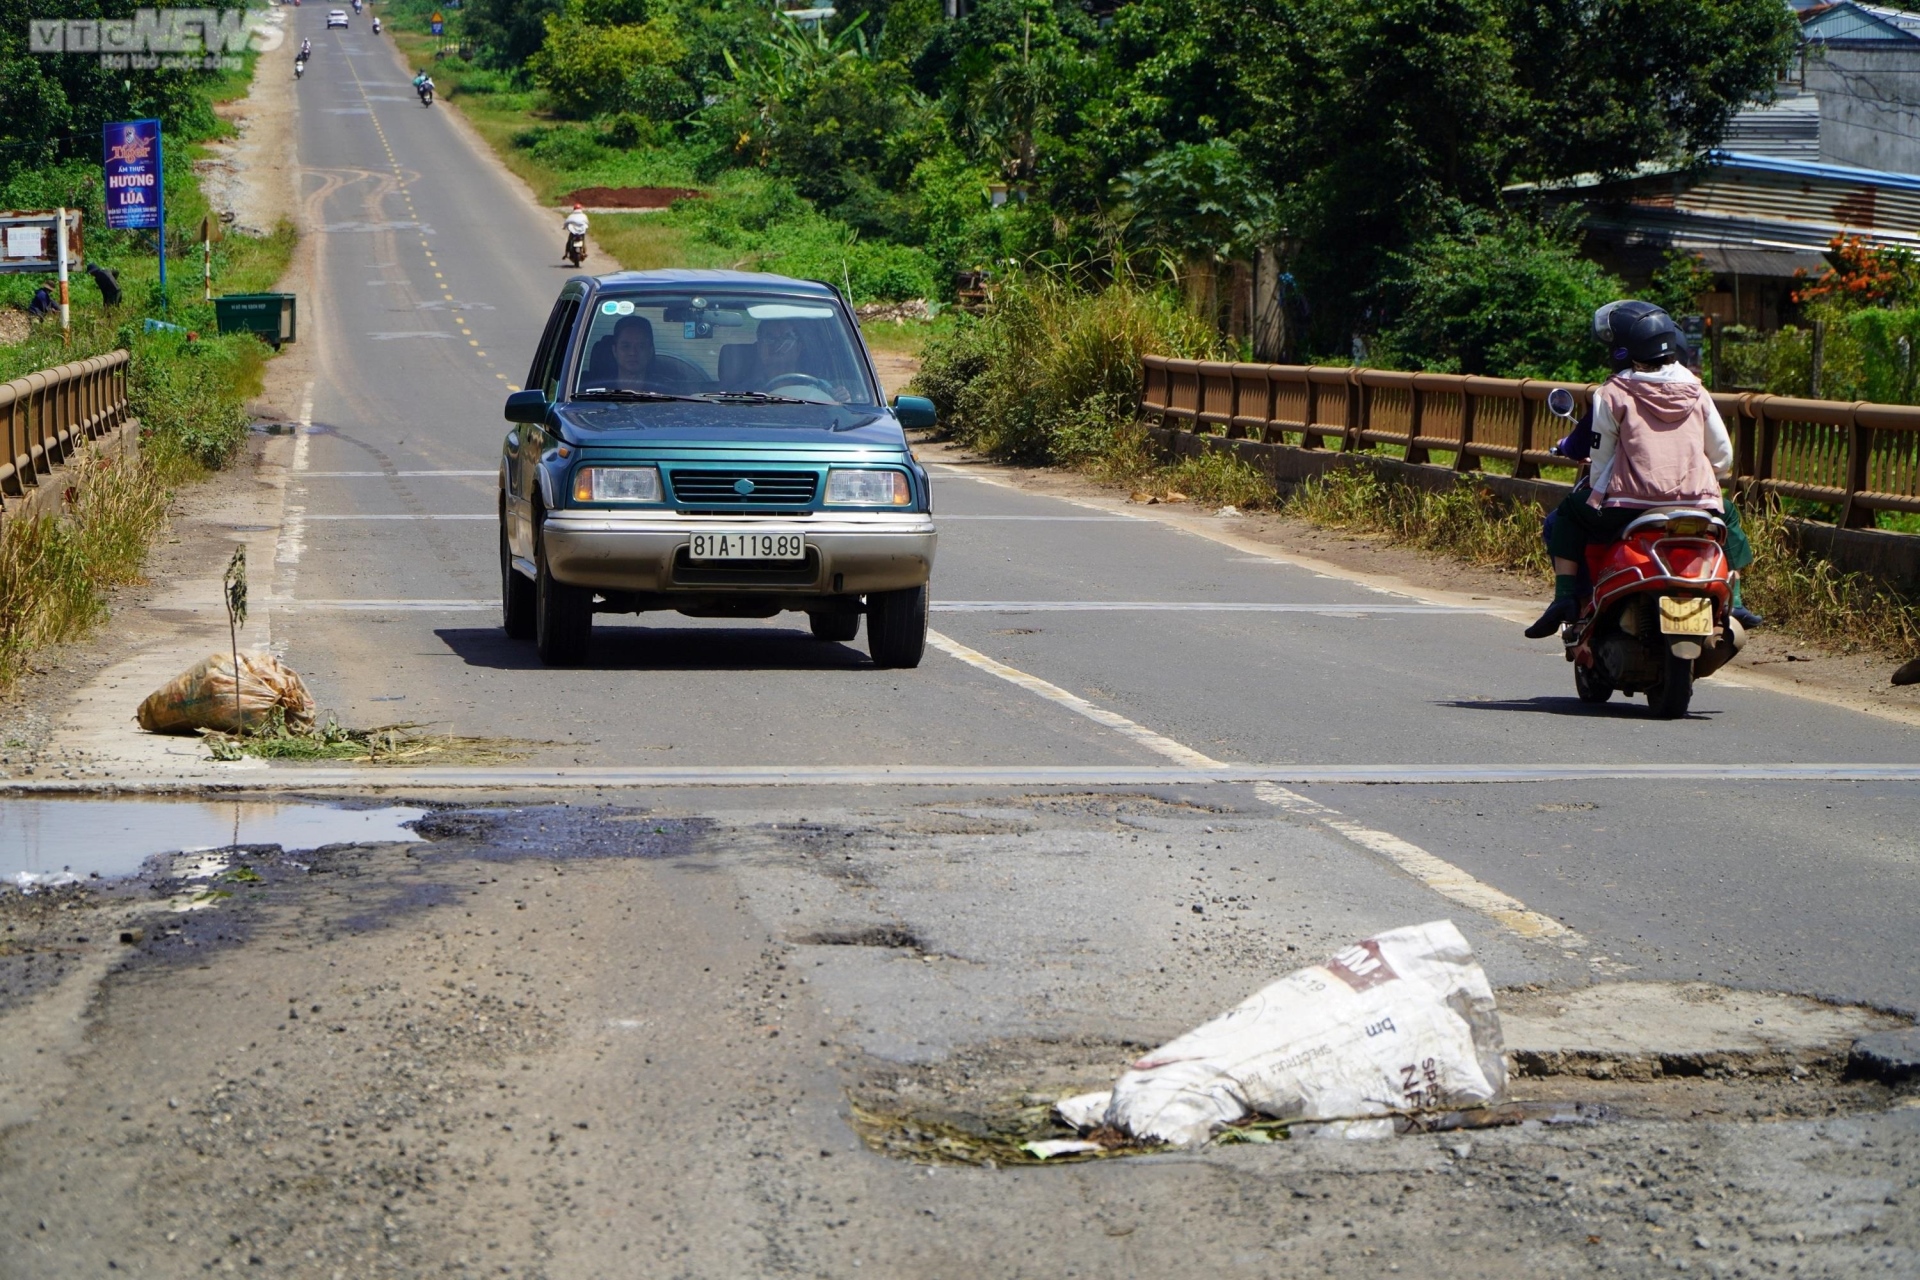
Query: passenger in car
x=625, y=360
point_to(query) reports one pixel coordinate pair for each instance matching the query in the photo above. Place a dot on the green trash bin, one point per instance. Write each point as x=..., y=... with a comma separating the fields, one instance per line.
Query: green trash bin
x=270, y=315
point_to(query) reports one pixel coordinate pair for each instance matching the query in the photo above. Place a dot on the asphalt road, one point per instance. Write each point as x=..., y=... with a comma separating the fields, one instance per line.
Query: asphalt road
x=632, y=1028
x=435, y=276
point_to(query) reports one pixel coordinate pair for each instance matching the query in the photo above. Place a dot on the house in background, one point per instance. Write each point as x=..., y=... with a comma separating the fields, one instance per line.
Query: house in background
x=1760, y=223
x=1836, y=153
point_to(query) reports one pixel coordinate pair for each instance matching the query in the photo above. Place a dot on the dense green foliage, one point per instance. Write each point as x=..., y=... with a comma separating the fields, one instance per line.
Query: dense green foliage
x=1050, y=373
x=187, y=385
x=1512, y=299
x=1369, y=141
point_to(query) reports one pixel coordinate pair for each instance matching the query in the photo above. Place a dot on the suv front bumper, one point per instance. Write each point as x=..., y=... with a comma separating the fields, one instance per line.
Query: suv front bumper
x=848, y=553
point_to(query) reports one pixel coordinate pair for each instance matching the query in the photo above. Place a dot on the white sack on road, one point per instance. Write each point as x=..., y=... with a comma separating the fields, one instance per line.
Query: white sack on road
x=1400, y=1022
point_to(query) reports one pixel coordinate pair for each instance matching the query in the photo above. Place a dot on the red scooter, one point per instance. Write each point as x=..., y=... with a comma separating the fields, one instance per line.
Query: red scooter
x=1658, y=617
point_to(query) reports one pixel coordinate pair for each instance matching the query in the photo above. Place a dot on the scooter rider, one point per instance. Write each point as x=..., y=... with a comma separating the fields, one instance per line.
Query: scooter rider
x=576, y=225
x=1657, y=440
x=422, y=83
x=306, y=51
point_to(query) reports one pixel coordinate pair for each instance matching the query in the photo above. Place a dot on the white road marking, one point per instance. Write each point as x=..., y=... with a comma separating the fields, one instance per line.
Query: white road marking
x=1140, y=734
x=292, y=542
x=417, y=605
x=1436, y=873
x=938, y=519
x=485, y=515
x=374, y=475
x=347, y=777
x=1183, y=606
x=939, y=606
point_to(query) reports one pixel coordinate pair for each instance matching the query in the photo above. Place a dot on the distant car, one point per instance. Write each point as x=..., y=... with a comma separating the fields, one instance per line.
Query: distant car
x=336, y=18
x=713, y=443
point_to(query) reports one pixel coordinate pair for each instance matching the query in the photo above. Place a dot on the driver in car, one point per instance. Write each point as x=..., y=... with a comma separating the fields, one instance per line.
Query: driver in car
x=782, y=361
x=633, y=354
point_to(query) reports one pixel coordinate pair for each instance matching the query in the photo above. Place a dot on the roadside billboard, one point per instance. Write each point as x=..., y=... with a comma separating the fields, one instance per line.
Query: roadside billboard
x=131, y=159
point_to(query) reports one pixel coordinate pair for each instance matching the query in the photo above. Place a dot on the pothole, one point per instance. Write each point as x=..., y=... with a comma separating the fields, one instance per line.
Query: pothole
x=888, y=936
x=1685, y=1052
x=58, y=841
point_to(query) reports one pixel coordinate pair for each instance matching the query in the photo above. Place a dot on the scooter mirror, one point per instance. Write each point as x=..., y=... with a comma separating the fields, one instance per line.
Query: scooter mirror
x=1560, y=403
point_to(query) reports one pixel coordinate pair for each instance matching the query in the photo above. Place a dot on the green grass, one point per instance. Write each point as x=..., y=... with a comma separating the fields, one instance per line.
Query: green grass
x=189, y=394
x=1465, y=522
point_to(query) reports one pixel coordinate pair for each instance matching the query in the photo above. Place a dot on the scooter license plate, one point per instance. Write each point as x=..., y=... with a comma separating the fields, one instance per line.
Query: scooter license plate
x=1680, y=617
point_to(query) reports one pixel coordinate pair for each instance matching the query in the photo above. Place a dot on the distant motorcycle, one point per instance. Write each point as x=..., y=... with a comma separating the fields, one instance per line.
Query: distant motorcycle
x=576, y=248
x=376, y=26
x=426, y=93
x=299, y=67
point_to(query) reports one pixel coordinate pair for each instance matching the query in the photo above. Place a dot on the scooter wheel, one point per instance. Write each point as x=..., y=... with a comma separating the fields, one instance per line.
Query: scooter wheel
x=1591, y=685
x=1669, y=699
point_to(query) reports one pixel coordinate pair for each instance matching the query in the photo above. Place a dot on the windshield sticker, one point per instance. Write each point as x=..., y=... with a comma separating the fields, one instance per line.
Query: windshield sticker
x=624, y=308
x=787, y=311
x=609, y=308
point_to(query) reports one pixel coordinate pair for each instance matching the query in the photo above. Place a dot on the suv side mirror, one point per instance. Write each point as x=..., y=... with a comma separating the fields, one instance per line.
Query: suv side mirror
x=528, y=406
x=915, y=413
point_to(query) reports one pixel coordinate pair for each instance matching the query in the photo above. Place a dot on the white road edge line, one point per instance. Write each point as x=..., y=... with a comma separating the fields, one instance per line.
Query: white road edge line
x=949, y=606
x=489, y=515
x=391, y=475
x=1113, y=720
x=1436, y=873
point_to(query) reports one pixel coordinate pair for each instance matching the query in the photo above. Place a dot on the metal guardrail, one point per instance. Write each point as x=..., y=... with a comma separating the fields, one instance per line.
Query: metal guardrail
x=1860, y=457
x=46, y=416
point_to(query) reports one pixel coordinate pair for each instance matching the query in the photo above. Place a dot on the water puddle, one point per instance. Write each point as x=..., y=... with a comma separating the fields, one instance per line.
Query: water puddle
x=48, y=841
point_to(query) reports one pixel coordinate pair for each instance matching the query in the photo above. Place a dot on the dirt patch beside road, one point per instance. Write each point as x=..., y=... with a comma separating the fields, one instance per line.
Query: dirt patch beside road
x=631, y=197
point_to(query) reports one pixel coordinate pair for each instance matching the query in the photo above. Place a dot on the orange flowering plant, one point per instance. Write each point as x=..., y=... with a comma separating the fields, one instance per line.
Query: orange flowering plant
x=1866, y=276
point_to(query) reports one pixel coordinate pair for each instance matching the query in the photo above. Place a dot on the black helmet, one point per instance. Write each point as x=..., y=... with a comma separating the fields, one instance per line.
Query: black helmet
x=1654, y=339
x=1614, y=322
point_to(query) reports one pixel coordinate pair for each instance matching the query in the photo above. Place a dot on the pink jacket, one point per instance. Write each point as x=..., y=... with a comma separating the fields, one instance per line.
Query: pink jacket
x=1670, y=442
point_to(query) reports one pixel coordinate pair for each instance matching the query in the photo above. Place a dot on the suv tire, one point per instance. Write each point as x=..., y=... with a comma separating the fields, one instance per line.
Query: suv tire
x=897, y=627
x=517, y=593
x=563, y=615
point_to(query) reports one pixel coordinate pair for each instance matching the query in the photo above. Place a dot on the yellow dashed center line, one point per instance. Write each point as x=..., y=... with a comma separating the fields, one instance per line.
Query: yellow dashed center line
x=433, y=263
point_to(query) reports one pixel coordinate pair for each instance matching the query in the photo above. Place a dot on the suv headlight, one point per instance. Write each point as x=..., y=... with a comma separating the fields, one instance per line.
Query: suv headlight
x=868, y=489
x=616, y=484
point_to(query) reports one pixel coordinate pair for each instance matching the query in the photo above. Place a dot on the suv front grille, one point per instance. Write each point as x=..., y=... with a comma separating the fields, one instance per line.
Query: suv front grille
x=717, y=488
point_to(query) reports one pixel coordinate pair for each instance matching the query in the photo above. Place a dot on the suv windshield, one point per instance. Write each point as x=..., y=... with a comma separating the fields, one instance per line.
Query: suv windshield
x=746, y=346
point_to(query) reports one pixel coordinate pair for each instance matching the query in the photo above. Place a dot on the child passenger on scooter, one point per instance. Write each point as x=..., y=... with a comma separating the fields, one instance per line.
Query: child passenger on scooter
x=1657, y=440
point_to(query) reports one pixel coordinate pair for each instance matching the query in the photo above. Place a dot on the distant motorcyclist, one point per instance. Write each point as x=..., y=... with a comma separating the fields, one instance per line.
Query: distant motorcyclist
x=1656, y=440
x=306, y=51
x=376, y=26
x=423, y=85
x=576, y=225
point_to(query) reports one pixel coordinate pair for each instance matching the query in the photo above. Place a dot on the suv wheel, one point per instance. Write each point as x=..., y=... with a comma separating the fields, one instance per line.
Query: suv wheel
x=516, y=595
x=563, y=615
x=897, y=627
